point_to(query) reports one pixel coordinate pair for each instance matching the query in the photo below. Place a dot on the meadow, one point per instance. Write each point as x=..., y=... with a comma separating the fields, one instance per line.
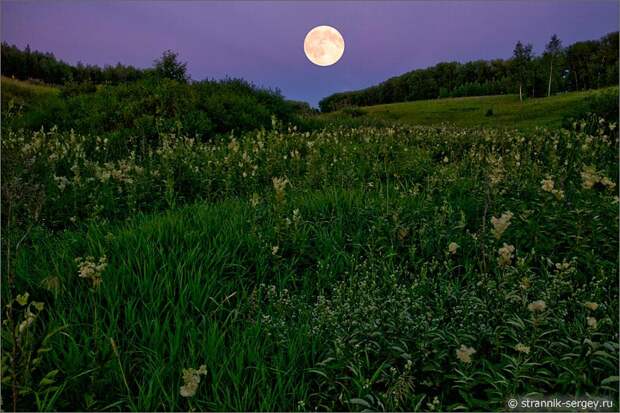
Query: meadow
x=385, y=267
x=504, y=111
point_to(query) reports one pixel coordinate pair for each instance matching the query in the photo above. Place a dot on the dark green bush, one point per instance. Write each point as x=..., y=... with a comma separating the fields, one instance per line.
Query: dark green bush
x=145, y=108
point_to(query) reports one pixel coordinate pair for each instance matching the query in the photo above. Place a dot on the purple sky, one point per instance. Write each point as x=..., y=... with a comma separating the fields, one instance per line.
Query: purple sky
x=262, y=41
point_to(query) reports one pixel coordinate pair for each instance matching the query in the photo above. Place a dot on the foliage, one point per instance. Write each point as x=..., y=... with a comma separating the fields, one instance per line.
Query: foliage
x=136, y=112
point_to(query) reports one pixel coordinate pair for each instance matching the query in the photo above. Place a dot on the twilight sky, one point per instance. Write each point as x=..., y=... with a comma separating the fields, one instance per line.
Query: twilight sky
x=262, y=41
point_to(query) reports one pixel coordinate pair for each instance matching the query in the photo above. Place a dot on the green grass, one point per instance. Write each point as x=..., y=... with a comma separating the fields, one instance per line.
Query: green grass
x=338, y=292
x=508, y=111
x=23, y=92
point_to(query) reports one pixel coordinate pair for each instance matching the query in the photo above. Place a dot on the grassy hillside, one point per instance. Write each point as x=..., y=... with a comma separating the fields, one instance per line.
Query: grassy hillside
x=23, y=92
x=472, y=111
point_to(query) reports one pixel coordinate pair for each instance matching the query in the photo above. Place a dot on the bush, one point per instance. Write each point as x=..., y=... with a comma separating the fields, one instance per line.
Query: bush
x=145, y=108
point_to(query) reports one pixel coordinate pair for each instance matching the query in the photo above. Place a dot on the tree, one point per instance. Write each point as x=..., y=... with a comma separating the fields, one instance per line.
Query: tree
x=552, y=51
x=169, y=67
x=521, y=59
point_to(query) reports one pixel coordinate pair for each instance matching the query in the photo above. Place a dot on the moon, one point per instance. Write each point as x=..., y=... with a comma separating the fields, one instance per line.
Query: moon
x=324, y=45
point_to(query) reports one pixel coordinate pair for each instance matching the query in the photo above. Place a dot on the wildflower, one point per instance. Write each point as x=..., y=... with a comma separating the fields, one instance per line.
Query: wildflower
x=591, y=306
x=590, y=177
x=505, y=255
x=525, y=283
x=191, y=379
x=591, y=322
x=453, y=247
x=558, y=193
x=255, y=200
x=608, y=182
x=22, y=299
x=233, y=145
x=522, y=348
x=30, y=317
x=279, y=184
x=274, y=250
x=91, y=270
x=538, y=305
x=464, y=353
x=563, y=266
x=296, y=216
x=432, y=406
x=61, y=182
x=501, y=224
x=497, y=171
x=547, y=185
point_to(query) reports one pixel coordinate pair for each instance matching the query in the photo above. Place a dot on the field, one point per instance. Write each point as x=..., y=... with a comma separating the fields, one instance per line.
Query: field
x=22, y=92
x=507, y=111
x=381, y=268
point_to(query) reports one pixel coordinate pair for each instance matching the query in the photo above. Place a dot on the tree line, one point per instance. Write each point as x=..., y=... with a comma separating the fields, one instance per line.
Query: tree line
x=45, y=67
x=583, y=65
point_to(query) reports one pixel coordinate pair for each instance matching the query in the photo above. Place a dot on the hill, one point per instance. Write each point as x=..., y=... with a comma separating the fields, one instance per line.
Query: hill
x=507, y=111
x=23, y=92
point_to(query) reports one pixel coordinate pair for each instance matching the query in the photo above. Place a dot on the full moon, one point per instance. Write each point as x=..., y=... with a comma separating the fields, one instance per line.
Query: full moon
x=324, y=45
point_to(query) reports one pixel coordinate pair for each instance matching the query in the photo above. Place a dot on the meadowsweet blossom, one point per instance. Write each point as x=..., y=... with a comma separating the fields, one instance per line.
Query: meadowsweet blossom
x=505, y=255
x=501, y=224
x=191, y=379
x=296, y=216
x=274, y=249
x=496, y=174
x=591, y=322
x=590, y=177
x=522, y=348
x=233, y=145
x=61, y=182
x=563, y=266
x=279, y=185
x=90, y=269
x=547, y=185
x=590, y=305
x=255, y=200
x=453, y=247
x=537, y=306
x=525, y=283
x=464, y=353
